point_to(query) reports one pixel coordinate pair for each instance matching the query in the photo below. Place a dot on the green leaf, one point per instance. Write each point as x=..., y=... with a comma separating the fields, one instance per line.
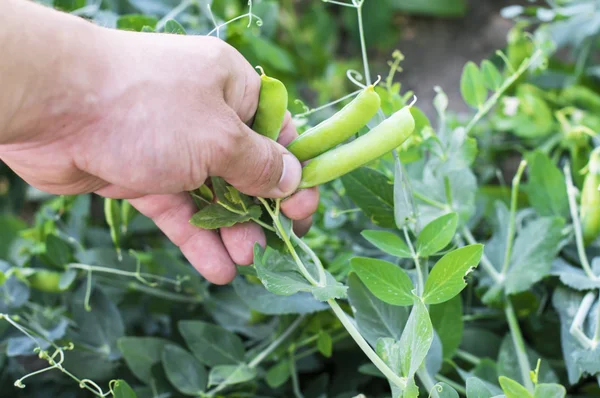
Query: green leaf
x=546, y=187
x=122, y=390
x=278, y=374
x=136, y=22
x=231, y=374
x=477, y=389
x=508, y=363
x=549, y=391
x=57, y=251
x=174, y=27
x=416, y=339
x=447, y=278
x=443, y=390
x=436, y=8
x=436, y=235
x=491, y=76
x=216, y=216
x=9, y=232
x=375, y=318
x=447, y=322
x=387, y=281
x=66, y=279
x=183, y=370
x=373, y=192
x=472, y=85
x=268, y=303
x=211, y=344
x=325, y=344
x=534, y=250
x=512, y=389
x=141, y=353
x=387, y=242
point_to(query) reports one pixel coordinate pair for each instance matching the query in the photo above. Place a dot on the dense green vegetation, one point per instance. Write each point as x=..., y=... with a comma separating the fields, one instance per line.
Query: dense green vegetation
x=466, y=262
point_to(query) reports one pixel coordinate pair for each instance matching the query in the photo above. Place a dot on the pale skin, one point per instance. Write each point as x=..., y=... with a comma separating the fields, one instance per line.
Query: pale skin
x=145, y=117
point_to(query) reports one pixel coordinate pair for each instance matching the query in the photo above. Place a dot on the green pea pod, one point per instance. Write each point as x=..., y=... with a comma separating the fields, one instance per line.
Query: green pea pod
x=46, y=281
x=581, y=97
x=112, y=213
x=590, y=200
x=272, y=104
x=337, y=128
x=388, y=135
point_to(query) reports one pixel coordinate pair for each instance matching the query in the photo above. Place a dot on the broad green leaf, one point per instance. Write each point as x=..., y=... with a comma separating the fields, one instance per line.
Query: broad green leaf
x=387, y=242
x=68, y=5
x=549, y=391
x=534, y=250
x=491, y=76
x=373, y=192
x=66, y=279
x=136, y=22
x=387, y=281
x=477, y=389
x=231, y=374
x=325, y=344
x=57, y=251
x=443, y=390
x=546, y=187
x=122, y=390
x=183, y=370
x=141, y=353
x=263, y=301
x=447, y=322
x=512, y=389
x=416, y=339
x=216, y=216
x=375, y=318
x=573, y=277
x=472, y=86
x=411, y=391
x=388, y=349
x=278, y=374
x=172, y=26
x=436, y=235
x=447, y=278
x=211, y=344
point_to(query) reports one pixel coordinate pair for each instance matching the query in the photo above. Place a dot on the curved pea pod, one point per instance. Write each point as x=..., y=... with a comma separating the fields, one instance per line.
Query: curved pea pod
x=337, y=128
x=388, y=135
x=590, y=200
x=46, y=281
x=272, y=104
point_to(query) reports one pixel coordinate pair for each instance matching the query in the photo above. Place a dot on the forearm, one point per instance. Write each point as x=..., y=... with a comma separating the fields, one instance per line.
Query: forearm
x=48, y=60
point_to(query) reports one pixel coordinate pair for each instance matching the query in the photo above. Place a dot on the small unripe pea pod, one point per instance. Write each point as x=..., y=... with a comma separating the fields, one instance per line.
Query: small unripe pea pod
x=337, y=128
x=590, y=200
x=272, y=105
x=46, y=281
x=388, y=135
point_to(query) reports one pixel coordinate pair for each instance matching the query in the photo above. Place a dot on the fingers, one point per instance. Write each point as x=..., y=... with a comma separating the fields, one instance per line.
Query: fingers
x=302, y=204
x=116, y=192
x=240, y=239
x=257, y=166
x=301, y=227
x=288, y=131
x=203, y=248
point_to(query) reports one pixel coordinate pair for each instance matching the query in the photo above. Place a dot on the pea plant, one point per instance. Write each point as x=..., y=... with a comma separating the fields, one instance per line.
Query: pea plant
x=426, y=274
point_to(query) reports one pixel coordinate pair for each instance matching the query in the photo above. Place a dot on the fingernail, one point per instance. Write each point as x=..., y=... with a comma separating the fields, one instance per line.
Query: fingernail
x=291, y=175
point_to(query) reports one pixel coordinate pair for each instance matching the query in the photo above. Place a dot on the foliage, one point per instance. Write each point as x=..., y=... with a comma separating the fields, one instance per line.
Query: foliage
x=425, y=273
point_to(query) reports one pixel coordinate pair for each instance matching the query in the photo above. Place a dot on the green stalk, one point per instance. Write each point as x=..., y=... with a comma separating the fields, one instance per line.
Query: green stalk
x=510, y=237
x=519, y=343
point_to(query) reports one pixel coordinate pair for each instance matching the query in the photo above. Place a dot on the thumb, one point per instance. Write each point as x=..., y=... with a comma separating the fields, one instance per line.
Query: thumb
x=258, y=166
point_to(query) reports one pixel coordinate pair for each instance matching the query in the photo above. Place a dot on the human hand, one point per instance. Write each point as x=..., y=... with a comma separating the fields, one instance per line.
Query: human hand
x=148, y=117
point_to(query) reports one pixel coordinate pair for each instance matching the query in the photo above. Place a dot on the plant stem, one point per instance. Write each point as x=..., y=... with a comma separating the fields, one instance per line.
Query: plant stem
x=487, y=264
x=453, y=384
x=294, y=374
x=267, y=351
x=467, y=356
x=426, y=379
x=519, y=344
x=510, y=237
x=571, y=190
x=421, y=282
x=363, y=46
x=314, y=258
x=430, y=201
x=163, y=294
x=362, y=343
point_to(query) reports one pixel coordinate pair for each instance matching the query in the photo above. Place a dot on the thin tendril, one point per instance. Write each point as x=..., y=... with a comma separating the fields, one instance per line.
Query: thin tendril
x=355, y=76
